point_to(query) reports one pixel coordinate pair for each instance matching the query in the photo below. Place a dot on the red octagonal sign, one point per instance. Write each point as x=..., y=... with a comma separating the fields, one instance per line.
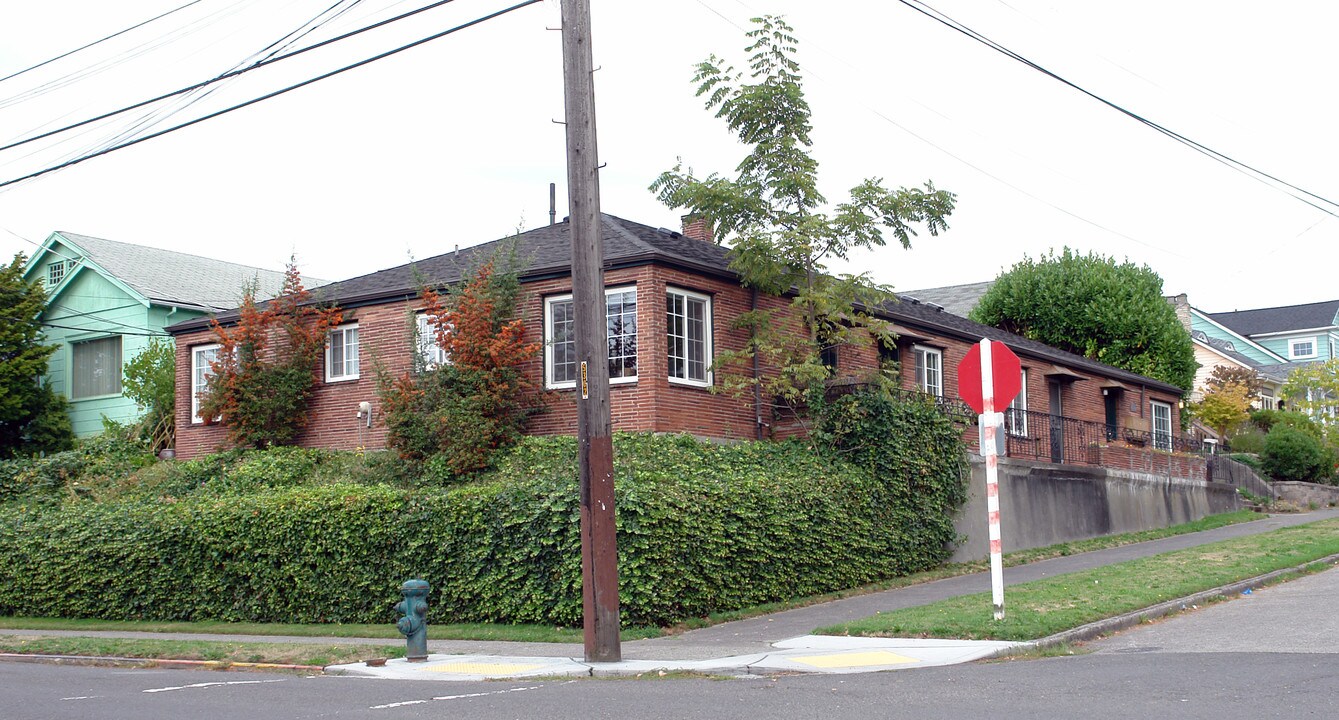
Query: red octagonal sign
x=1006, y=373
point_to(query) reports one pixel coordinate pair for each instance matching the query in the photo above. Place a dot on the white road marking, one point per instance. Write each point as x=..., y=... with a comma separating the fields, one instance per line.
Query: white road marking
x=208, y=684
x=82, y=697
x=454, y=697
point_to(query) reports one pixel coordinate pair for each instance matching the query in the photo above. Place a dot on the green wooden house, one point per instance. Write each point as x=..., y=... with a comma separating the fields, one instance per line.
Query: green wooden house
x=106, y=300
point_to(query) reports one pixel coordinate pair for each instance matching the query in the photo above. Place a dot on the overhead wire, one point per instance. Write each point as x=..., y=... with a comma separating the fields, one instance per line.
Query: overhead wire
x=884, y=117
x=268, y=96
x=125, y=56
x=225, y=76
x=1227, y=160
x=98, y=42
x=158, y=115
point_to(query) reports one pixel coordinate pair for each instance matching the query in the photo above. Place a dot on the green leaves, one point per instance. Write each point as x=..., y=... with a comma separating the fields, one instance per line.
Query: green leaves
x=772, y=211
x=32, y=417
x=1091, y=306
x=702, y=528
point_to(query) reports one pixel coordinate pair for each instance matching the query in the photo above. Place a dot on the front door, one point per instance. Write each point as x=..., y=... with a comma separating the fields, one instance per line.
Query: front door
x=1057, y=423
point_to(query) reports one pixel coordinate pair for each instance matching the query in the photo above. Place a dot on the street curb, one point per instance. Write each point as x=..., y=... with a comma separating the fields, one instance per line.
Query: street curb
x=1110, y=625
x=98, y=660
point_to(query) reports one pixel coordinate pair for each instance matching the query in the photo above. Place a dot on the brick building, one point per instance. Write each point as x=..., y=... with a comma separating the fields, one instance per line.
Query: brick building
x=671, y=300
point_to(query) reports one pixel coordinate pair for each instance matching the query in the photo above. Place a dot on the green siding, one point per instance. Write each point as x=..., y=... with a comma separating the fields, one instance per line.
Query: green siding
x=88, y=306
x=1238, y=342
x=1282, y=345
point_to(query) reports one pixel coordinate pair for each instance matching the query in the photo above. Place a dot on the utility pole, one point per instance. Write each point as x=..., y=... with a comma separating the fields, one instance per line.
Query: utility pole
x=599, y=547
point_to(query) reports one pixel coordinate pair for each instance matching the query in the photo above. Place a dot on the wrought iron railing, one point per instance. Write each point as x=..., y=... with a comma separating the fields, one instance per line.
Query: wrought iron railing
x=1054, y=438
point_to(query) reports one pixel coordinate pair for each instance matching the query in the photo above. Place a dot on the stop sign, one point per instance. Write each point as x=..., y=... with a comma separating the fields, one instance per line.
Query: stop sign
x=1006, y=374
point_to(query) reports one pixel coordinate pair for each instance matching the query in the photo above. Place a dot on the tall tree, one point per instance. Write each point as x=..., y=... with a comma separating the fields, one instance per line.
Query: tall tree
x=772, y=215
x=32, y=417
x=1093, y=306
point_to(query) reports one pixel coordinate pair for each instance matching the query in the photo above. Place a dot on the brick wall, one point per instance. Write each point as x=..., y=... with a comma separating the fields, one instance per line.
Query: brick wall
x=652, y=402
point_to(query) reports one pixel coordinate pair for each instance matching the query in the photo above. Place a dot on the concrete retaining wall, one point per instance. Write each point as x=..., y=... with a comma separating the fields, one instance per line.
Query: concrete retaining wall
x=1305, y=493
x=1043, y=504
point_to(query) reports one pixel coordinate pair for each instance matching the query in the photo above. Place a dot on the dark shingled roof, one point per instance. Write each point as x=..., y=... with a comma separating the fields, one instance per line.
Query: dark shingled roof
x=545, y=252
x=957, y=299
x=1280, y=319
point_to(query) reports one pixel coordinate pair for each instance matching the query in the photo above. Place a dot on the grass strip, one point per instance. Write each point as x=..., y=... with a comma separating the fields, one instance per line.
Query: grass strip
x=224, y=652
x=455, y=631
x=1012, y=559
x=1045, y=607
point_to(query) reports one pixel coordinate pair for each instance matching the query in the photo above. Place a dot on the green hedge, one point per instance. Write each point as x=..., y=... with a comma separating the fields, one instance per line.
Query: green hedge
x=702, y=528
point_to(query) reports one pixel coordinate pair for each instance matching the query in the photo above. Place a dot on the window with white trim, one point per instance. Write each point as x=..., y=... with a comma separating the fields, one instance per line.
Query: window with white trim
x=55, y=272
x=1162, y=425
x=1015, y=418
x=929, y=370
x=202, y=368
x=430, y=353
x=97, y=368
x=1302, y=348
x=560, y=352
x=688, y=337
x=341, y=354
x=1267, y=399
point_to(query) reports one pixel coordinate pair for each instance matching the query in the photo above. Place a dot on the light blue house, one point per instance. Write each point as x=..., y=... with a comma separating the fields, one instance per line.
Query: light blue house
x=1298, y=333
x=106, y=300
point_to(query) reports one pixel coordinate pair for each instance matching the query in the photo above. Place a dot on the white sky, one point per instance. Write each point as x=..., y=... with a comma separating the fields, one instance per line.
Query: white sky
x=455, y=142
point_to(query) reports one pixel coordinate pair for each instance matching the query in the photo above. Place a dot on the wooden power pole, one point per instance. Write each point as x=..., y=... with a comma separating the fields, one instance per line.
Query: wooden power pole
x=599, y=548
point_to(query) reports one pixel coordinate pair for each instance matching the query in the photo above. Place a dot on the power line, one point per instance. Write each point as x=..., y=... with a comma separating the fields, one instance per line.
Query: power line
x=274, y=94
x=1239, y=166
x=153, y=117
x=225, y=76
x=172, y=36
x=106, y=330
x=882, y=116
x=96, y=42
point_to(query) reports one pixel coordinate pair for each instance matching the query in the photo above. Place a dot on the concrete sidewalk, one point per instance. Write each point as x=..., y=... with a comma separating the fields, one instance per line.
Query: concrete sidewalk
x=781, y=642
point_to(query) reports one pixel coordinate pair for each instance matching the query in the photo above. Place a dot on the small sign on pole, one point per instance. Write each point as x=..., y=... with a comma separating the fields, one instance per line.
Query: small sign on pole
x=989, y=377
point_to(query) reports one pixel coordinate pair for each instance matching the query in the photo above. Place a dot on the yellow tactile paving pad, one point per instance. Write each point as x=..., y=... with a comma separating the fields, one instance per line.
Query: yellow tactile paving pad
x=855, y=659
x=482, y=668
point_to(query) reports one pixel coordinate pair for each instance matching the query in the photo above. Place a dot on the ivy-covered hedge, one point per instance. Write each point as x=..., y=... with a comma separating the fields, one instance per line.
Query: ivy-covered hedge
x=702, y=528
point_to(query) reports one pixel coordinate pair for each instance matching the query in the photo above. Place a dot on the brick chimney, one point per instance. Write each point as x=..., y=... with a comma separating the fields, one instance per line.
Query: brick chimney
x=696, y=227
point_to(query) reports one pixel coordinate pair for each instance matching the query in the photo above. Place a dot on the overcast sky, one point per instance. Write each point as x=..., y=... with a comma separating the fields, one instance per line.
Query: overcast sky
x=454, y=142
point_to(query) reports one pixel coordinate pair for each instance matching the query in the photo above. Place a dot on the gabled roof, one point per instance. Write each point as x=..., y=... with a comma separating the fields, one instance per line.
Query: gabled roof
x=957, y=299
x=1282, y=319
x=1253, y=345
x=167, y=277
x=546, y=251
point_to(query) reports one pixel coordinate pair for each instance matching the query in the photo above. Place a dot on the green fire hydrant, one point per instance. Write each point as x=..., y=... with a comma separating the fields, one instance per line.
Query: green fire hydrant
x=414, y=624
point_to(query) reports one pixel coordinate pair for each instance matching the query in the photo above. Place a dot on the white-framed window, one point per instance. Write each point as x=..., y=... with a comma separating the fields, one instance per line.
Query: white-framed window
x=341, y=354
x=1302, y=348
x=55, y=272
x=1015, y=418
x=1162, y=425
x=430, y=354
x=1267, y=399
x=560, y=351
x=202, y=368
x=688, y=337
x=929, y=370
x=97, y=368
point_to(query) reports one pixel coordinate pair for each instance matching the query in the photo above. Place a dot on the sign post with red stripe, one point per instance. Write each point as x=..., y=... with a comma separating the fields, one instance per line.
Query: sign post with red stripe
x=989, y=377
